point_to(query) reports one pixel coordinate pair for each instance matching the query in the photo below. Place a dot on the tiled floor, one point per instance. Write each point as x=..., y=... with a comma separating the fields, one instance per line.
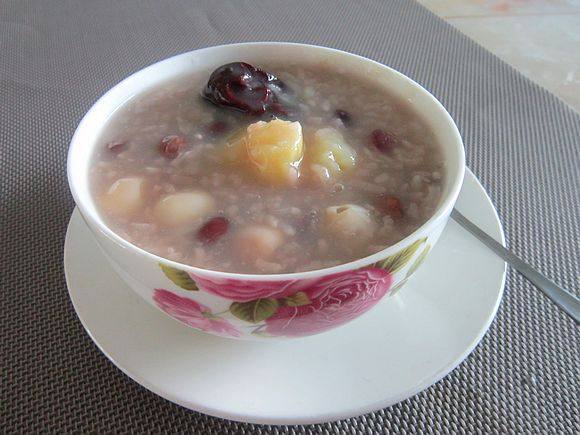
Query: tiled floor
x=540, y=38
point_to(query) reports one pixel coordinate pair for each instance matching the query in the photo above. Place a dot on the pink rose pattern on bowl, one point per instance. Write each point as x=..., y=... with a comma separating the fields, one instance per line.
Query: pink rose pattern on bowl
x=246, y=290
x=290, y=308
x=192, y=313
x=334, y=300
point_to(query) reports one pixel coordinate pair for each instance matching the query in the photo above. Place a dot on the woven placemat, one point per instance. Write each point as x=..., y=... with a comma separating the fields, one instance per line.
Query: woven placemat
x=58, y=57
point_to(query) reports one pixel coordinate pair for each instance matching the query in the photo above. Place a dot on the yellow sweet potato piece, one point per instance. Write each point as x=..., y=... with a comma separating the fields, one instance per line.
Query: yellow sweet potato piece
x=328, y=149
x=275, y=149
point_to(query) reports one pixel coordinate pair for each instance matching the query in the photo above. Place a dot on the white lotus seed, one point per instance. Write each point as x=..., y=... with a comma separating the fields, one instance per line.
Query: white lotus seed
x=184, y=208
x=350, y=222
x=124, y=197
x=257, y=241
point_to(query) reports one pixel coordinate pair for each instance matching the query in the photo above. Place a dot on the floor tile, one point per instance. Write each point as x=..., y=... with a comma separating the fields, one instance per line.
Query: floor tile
x=460, y=8
x=543, y=48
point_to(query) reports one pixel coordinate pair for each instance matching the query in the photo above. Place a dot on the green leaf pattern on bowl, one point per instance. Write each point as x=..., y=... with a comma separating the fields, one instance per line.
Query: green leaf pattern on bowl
x=179, y=277
x=398, y=261
x=254, y=311
x=419, y=261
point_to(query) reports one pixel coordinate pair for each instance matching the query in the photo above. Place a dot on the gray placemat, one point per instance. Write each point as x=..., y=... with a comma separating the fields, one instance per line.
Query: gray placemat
x=58, y=57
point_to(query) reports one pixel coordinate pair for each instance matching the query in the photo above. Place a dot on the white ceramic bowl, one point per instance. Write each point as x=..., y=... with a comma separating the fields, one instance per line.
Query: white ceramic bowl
x=265, y=306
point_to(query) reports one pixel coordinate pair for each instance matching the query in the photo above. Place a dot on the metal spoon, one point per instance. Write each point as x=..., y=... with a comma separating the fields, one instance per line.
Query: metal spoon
x=560, y=296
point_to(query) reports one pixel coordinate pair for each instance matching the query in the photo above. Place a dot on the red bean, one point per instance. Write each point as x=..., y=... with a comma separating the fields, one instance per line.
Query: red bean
x=171, y=145
x=383, y=140
x=394, y=207
x=213, y=229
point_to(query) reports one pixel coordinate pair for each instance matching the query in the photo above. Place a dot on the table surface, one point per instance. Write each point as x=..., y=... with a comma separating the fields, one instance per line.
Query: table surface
x=58, y=57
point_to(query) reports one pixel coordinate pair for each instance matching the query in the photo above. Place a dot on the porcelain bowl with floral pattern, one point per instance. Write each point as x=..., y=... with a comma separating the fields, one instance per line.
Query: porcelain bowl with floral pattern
x=265, y=307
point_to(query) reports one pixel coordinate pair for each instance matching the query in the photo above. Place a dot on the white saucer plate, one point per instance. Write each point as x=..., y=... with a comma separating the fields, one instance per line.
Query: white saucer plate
x=404, y=345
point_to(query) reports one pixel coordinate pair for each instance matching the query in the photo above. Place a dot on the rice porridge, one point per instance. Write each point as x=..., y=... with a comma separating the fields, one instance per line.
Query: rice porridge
x=266, y=170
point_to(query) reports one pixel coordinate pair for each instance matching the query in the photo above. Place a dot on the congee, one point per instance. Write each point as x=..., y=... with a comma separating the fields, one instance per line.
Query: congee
x=266, y=169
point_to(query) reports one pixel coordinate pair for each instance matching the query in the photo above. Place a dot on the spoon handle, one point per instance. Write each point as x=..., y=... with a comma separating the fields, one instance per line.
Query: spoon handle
x=560, y=296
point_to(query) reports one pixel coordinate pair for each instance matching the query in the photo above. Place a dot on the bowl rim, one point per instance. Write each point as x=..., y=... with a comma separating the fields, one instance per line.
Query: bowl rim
x=441, y=213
